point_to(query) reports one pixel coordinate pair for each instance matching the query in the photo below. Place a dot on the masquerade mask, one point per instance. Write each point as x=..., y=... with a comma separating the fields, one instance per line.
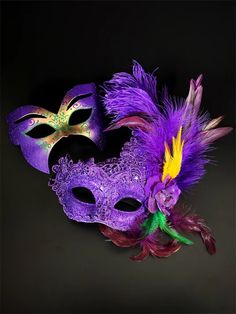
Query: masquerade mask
x=110, y=192
x=37, y=130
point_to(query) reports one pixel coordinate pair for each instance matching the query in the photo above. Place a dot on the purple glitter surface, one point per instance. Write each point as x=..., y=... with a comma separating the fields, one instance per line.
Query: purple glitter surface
x=109, y=181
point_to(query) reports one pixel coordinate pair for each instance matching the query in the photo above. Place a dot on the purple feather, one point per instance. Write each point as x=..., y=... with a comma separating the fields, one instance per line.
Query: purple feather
x=135, y=95
x=127, y=94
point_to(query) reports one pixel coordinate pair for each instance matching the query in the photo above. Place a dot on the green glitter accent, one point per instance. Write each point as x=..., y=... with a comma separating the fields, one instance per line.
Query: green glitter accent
x=158, y=220
x=85, y=127
x=58, y=120
x=44, y=145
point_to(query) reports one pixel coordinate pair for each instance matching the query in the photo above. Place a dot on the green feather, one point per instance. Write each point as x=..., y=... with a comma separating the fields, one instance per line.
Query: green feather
x=175, y=235
x=158, y=220
x=151, y=224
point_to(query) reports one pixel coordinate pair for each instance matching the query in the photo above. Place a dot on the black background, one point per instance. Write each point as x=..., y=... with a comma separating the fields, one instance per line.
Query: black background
x=53, y=265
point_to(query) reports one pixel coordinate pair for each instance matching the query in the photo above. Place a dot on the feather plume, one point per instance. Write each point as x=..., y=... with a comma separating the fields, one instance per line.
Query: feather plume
x=126, y=94
x=135, y=95
x=132, y=101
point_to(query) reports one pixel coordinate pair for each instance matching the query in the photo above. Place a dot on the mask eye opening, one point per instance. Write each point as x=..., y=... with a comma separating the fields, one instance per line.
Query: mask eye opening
x=80, y=116
x=128, y=204
x=83, y=194
x=41, y=131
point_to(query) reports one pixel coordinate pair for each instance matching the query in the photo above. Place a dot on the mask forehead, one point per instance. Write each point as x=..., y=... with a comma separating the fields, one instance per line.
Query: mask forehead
x=24, y=119
x=84, y=90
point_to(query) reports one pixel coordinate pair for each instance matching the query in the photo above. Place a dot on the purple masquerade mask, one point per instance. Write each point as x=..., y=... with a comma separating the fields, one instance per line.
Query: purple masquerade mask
x=110, y=183
x=79, y=102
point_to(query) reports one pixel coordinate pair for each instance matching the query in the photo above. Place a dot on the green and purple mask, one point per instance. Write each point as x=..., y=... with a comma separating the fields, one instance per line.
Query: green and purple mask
x=26, y=121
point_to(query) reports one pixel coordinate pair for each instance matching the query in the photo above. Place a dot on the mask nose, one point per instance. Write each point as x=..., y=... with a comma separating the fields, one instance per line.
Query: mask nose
x=65, y=133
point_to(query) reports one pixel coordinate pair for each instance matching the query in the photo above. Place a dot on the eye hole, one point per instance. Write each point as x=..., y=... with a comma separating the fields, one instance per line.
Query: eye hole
x=41, y=131
x=80, y=116
x=84, y=195
x=128, y=204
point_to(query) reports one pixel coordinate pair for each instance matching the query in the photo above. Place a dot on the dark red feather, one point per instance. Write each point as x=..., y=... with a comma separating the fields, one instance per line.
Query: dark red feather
x=194, y=224
x=150, y=245
x=130, y=122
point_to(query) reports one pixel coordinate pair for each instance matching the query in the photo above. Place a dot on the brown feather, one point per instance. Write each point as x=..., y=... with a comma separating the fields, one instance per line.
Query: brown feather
x=210, y=136
x=213, y=123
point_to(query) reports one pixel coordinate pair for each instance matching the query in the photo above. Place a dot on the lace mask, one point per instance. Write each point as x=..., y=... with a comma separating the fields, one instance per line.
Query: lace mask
x=110, y=184
x=77, y=115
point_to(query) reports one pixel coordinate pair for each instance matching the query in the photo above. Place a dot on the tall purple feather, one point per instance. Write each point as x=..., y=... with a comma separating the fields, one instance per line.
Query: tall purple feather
x=127, y=94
